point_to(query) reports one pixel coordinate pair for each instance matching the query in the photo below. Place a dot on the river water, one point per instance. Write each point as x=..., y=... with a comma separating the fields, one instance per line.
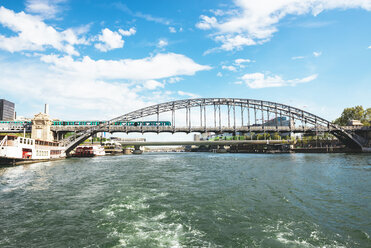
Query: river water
x=189, y=200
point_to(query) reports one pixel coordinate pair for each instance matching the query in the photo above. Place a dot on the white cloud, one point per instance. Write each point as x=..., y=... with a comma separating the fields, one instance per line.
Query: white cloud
x=162, y=43
x=259, y=80
x=219, y=74
x=172, y=30
x=110, y=40
x=94, y=95
x=153, y=84
x=34, y=35
x=206, y=22
x=231, y=42
x=85, y=98
x=162, y=65
x=129, y=32
x=369, y=47
x=218, y=12
x=241, y=61
x=174, y=80
x=45, y=8
x=191, y=95
x=229, y=68
x=297, y=57
x=317, y=54
x=255, y=22
x=238, y=82
x=121, y=6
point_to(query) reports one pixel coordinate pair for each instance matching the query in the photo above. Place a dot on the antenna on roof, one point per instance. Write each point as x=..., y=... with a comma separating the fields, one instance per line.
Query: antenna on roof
x=46, y=109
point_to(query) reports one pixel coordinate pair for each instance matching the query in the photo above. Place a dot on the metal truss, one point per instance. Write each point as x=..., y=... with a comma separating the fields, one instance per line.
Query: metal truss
x=273, y=108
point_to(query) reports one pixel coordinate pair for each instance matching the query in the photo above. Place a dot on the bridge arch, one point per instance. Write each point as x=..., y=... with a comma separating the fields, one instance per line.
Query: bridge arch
x=277, y=109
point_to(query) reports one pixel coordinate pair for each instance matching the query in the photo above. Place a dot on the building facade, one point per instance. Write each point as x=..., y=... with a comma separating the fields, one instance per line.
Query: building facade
x=279, y=121
x=6, y=110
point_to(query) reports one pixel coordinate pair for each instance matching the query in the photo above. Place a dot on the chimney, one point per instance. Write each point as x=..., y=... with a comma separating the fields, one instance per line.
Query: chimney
x=46, y=109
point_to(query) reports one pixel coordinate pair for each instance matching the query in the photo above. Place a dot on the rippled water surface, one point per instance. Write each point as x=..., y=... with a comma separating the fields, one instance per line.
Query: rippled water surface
x=189, y=200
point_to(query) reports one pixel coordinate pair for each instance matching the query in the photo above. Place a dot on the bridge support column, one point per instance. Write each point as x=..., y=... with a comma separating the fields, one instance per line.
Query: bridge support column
x=221, y=149
x=58, y=135
x=126, y=151
x=137, y=150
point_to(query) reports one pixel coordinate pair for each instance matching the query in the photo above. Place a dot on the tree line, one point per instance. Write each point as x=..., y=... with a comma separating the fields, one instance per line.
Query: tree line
x=354, y=113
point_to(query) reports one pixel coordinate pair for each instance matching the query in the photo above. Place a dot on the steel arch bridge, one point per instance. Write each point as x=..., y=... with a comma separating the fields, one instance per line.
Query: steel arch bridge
x=264, y=109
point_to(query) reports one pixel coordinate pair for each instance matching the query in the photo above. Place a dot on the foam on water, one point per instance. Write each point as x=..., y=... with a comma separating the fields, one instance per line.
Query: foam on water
x=188, y=200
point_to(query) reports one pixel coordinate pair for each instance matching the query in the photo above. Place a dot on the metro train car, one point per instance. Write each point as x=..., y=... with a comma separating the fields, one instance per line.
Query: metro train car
x=94, y=123
x=121, y=123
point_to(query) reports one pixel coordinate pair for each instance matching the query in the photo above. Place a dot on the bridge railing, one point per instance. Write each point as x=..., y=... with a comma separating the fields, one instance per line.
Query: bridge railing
x=187, y=129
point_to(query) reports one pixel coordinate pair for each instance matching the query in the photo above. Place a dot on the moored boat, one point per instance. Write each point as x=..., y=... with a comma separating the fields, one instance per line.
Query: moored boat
x=89, y=151
x=17, y=150
x=112, y=148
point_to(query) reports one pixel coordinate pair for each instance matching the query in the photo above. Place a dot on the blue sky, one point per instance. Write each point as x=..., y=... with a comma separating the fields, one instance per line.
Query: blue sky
x=100, y=59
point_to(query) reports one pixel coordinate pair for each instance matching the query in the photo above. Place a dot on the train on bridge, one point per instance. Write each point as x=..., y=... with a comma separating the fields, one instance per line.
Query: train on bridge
x=94, y=123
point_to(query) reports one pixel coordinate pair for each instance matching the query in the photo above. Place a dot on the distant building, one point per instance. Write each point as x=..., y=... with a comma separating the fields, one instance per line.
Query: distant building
x=6, y=110
x=279, y=121
x=355, y=123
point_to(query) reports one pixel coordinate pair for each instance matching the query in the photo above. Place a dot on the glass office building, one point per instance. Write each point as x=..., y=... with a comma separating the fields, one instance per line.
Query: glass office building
x=6, y=110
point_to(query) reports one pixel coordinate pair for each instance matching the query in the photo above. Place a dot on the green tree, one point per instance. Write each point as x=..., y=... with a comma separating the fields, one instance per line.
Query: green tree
x=276, y=136
x=367, y=116
x=355, y=113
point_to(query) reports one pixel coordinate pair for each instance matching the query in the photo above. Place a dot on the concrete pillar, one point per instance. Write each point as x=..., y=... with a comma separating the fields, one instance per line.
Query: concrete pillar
x=221, y=149
x=137, y=150
x=127, y=151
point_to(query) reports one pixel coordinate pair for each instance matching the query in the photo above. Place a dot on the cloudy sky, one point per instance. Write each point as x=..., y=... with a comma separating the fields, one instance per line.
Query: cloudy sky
x=100, y=59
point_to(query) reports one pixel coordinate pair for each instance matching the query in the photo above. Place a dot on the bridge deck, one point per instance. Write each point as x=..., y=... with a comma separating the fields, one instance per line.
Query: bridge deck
x=202, y=142
x=170, y=129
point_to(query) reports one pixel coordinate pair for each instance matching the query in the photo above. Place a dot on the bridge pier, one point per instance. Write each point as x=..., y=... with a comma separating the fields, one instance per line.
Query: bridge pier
x=221, y=149
x=58, y=135
x=137, y=150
